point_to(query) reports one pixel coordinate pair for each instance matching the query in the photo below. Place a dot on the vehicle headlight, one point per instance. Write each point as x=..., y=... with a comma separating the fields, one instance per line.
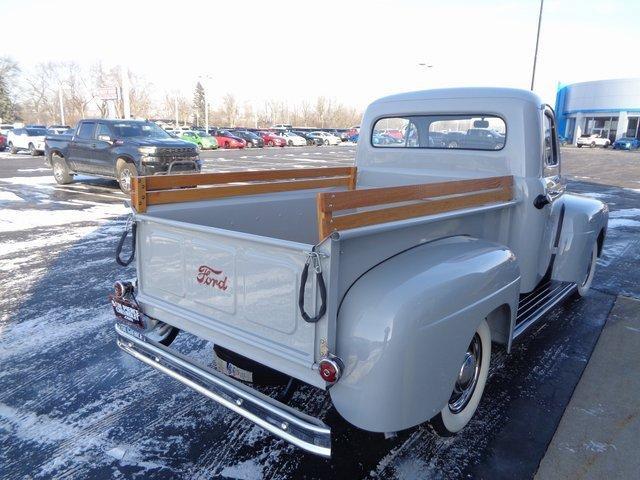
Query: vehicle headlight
x=147, y=150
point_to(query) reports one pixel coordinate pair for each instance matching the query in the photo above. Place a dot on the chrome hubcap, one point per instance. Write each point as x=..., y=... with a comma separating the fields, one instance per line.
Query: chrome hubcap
x=57, y=170
x=125, y=179
x=467, y=376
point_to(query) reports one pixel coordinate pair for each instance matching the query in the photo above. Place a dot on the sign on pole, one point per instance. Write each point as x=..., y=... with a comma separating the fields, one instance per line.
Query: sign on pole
x=107, y=93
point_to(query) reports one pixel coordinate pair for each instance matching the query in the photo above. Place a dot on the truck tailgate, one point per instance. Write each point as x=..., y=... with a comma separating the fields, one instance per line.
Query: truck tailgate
x=240, y=290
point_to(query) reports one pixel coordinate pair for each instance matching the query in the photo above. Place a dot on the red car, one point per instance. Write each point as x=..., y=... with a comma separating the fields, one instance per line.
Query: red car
x=227, y=139
x=272, y=140
x=3, y=142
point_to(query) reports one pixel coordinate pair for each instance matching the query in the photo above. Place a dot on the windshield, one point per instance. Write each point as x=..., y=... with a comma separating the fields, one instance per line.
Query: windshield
x=36, y=132
x=138, y=129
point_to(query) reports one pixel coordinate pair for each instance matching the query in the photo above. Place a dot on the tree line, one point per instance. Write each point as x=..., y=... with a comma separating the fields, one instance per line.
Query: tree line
x=36, y=95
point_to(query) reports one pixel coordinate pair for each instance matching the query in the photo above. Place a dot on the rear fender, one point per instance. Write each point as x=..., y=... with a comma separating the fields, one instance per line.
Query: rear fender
x=404, y=326
x=584, y=223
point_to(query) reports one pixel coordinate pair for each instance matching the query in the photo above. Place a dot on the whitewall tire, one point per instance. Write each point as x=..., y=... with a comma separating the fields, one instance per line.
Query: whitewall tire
x=469, y=385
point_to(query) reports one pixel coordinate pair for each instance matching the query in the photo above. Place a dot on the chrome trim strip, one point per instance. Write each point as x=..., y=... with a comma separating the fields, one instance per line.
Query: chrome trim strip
x=552, y=301
x=295, y=427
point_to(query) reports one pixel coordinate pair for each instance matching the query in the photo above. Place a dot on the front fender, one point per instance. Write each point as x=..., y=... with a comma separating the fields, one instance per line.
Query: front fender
x=404, y=326
x=583, y=221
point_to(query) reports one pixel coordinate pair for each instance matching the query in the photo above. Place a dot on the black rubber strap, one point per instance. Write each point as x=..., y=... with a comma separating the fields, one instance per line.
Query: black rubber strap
x=127, y=261
x=323, y=295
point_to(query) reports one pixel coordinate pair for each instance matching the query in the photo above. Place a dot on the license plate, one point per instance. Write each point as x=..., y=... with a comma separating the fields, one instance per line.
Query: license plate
x=126, y=311
x=233, y=371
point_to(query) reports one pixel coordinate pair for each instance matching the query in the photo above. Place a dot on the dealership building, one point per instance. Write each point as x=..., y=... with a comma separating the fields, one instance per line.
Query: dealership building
x=610, y=108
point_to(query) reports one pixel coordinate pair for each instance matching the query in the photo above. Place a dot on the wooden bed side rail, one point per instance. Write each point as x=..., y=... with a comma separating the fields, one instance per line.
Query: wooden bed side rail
x=162, y=189
x=433, y=197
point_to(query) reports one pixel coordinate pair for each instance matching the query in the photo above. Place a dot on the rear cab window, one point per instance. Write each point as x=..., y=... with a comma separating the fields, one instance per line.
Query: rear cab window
x=462, y=132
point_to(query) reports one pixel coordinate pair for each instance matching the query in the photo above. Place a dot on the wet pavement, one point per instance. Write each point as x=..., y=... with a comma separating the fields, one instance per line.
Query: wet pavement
x=73, y=406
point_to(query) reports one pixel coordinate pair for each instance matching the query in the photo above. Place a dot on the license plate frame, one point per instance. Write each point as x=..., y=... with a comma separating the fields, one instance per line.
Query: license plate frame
x=127, y=312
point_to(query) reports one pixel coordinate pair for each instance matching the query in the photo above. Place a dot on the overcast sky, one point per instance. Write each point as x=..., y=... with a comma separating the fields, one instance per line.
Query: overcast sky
x=350, y=51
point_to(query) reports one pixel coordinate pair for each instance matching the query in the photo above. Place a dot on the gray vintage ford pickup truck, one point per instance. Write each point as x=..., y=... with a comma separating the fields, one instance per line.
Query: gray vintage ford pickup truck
x=386, y=284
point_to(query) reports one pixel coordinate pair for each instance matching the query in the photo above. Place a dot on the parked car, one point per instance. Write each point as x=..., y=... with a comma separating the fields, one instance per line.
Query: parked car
x=480, y=137
x=311, y=140
x=398, y=320
x=354, y=138
x=384, y=139
x=201, y=139
x=252, y=139
x=57, y=129
x=626, y=143
x=272, y=140
x=293, y=140
x=353, y=131
x=120, y=149
x=327, y=138
x=5, y=128
x=593, y=140
x=226, y=139
x=27, y=138
x=395, y=133
x=563, y=141
x=3, y=142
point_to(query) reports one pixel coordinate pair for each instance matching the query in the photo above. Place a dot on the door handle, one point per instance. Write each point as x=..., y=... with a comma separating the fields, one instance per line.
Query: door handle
x=93, y=145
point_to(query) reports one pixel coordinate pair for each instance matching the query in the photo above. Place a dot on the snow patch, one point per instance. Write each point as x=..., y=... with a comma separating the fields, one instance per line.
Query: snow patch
x=18, y=220
x=9, y=197
x=32, y=427
x=247, y=470
x=618, y=222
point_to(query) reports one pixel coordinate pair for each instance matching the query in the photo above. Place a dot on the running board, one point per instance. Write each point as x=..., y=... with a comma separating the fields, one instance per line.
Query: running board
x=293, y=426
x=535, y=304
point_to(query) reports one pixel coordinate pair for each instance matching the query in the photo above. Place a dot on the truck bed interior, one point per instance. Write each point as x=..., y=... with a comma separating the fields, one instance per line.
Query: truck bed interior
x=288, y=216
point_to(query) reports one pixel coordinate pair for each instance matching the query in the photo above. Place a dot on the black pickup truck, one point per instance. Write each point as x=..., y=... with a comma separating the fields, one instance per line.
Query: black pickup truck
x=118, y=149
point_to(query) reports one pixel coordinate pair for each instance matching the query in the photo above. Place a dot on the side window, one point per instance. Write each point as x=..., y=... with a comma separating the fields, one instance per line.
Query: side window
x=103, y=130
x=86, y=130
x=463, y=132
x=550, y=146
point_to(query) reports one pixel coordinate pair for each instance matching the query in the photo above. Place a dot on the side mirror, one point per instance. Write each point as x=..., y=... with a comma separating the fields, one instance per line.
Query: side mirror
x=104, y=138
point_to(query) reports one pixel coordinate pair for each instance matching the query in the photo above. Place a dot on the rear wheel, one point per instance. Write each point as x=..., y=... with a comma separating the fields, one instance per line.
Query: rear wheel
x=125, y=170
x=579, y=145
x=60, y=170
x=469, y=385
x=593, y=145
x=271, y=143
x=12, y=148
x=32, y=150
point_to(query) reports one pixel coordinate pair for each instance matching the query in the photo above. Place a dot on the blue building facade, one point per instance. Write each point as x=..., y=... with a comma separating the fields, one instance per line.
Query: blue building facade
x=609, y=108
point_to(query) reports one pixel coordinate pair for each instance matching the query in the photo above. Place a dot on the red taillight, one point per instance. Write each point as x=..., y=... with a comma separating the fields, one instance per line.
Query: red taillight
x=330, y=370
x=120, y=289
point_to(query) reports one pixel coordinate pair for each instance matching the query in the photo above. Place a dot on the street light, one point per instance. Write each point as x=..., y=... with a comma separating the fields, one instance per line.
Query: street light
x=535, y=55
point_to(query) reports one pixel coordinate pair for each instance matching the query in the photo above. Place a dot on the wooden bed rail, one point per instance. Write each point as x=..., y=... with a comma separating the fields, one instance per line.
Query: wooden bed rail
x=162, y=189
x=428, y=198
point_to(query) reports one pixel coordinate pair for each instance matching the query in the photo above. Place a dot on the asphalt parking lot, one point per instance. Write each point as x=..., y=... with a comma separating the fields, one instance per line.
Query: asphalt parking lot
x=73, y=406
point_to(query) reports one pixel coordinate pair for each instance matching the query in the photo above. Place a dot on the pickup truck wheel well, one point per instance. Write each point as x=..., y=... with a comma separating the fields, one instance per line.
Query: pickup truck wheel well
x=499, y=321
x=600, y=242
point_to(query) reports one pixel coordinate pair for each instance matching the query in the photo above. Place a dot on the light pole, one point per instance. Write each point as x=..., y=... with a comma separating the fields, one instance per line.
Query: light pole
x=126, y=101
x=535, y=55
x=61, y=104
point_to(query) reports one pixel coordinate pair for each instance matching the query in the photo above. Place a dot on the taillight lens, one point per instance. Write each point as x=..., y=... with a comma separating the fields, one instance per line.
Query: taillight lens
x=330, y=370
x=120, y=289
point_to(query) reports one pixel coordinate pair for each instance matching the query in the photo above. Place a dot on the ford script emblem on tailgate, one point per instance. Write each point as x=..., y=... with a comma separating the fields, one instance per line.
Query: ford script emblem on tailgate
x=211, y=276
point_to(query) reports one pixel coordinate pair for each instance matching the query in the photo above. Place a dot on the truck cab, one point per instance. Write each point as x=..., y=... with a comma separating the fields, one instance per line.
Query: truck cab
x=384, y=284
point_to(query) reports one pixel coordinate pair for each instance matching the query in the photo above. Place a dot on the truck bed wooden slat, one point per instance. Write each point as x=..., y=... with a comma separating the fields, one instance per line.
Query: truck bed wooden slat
x=195, y=194
x=457, y=194
x=154, y=190
x=166, y=182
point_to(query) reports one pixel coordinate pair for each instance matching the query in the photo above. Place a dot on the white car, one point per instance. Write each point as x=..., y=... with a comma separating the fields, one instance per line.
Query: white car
x=27, y=138
x=595, y=139
x=328, y=138
x=293, y=140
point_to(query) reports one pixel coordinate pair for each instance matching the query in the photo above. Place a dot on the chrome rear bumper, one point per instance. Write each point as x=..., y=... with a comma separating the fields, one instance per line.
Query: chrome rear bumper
x=295, y=427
